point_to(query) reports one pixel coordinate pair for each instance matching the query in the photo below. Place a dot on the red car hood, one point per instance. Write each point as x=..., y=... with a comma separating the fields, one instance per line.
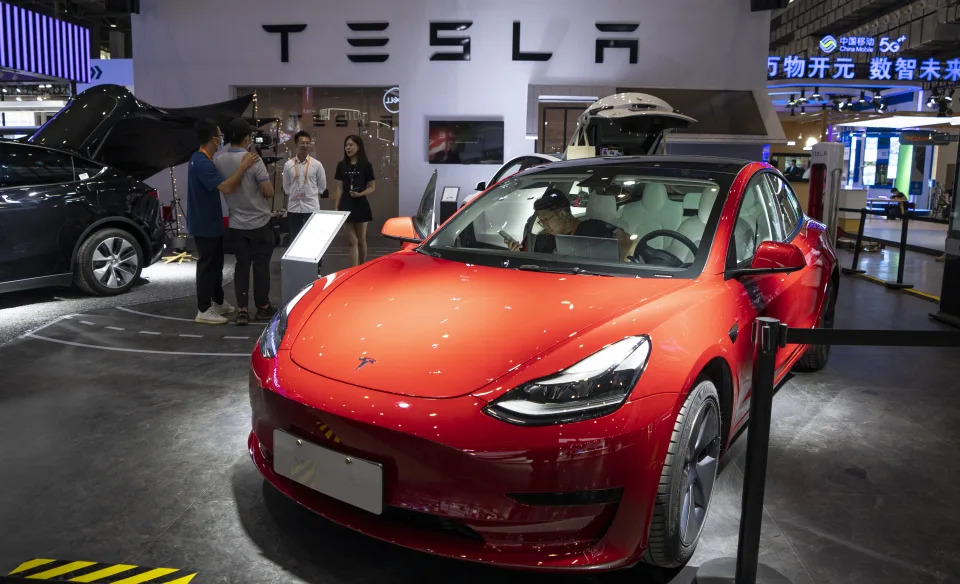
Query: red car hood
x=420, y=326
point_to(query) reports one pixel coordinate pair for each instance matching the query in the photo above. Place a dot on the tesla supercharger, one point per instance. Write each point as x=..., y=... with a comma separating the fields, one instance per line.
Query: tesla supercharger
x=826, y=171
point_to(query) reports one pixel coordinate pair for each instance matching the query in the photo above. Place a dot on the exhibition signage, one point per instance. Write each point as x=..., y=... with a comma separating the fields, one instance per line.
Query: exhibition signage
x=34, y=43
x=458, y=46
x=884, y=67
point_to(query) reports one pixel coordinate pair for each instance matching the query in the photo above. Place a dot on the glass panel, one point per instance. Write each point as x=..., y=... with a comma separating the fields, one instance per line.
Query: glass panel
x=786, y=202
x=554, y=137
x=27, y=166
x=757, y=221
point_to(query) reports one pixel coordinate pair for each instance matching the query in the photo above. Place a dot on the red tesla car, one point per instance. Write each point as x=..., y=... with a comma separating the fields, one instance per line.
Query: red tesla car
x=547, y=380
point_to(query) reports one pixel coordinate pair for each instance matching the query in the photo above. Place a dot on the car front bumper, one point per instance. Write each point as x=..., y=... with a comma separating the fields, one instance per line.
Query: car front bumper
x=461, y=484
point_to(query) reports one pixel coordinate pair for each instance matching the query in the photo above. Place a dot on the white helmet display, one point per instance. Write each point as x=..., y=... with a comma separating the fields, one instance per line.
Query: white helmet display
x=624, y=124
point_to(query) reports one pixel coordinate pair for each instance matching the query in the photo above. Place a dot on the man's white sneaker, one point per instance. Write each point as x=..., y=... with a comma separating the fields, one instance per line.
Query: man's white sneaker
x=210, y=317
x=225, y=308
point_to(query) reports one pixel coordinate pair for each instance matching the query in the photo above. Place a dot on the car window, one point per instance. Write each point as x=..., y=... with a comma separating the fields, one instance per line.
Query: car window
x=786, y=200
x=87, y=167
x=595, y=216
x=28, y=166
x=758, y=220
x=515, y=166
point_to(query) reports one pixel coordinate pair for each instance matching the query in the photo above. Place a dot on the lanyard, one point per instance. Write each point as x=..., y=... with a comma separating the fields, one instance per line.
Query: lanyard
x=296, y=171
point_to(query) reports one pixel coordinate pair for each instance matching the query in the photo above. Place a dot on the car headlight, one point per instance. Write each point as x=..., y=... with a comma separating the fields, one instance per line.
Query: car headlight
x=591, y=388
x=273, y=334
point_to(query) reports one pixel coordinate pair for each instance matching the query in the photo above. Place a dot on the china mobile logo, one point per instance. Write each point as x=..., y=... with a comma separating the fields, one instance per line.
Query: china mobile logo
x=828, y=44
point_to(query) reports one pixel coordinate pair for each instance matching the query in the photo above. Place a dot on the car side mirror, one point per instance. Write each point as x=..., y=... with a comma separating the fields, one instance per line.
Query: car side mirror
x=481, y=186
x=402, y=229
x=772, y=257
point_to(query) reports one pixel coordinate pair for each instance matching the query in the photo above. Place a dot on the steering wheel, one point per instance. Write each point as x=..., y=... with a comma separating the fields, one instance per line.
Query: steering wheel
x=652, y=255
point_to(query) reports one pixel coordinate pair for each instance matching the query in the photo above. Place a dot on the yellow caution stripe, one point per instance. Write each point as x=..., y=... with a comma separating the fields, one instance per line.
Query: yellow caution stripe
x=83, y=571
x=918, y=293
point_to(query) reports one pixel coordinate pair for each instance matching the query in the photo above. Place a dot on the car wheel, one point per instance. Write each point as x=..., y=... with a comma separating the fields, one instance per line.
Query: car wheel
x=687, y=481
x=108, y=262
x=816, y=356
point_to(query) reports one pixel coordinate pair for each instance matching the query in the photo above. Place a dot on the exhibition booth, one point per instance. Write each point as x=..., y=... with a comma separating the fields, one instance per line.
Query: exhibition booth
x=405, y=79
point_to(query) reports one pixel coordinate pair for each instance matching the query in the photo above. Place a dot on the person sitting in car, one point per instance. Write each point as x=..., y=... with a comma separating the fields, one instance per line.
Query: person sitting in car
x=554, y=214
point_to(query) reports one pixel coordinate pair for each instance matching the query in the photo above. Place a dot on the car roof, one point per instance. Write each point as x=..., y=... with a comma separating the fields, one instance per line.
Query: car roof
x=712, y=163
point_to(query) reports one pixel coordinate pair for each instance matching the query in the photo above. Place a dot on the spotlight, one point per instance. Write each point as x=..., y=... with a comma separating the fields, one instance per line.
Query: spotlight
x=803, y=110
x=816, y=93
x=863, y=97
x=803, y=95
x=793, y=101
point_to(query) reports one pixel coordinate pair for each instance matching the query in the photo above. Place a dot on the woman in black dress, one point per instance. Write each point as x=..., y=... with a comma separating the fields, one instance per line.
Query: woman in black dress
x=355, y=174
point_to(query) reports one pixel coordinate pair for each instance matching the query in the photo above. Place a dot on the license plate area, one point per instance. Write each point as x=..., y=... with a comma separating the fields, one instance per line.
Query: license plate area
x=349, y=479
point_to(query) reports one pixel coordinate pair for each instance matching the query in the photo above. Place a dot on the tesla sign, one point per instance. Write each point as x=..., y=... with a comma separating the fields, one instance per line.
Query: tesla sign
x=369, y=39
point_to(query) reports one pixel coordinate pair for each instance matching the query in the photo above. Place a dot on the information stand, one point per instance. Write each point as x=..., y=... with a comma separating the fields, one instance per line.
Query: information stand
x=300, y=264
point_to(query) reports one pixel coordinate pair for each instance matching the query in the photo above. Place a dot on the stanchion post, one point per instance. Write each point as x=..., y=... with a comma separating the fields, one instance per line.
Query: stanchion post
x=855, y=267
x=768, y=335
x=901, y=260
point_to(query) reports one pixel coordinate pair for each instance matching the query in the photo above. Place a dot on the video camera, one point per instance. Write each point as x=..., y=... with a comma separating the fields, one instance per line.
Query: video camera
x=263, y=141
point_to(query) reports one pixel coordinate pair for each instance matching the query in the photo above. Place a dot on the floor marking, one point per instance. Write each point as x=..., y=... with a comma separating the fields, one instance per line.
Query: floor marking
x=31, y=565
x=104, y=573
x=915, y=292
x=130, y=310
x=82, y=571
x=149, y=333
x=145, y=351
x=60, y=571
x=191, y=336
x=88, y=323
x=116, y=328
x=238, y=338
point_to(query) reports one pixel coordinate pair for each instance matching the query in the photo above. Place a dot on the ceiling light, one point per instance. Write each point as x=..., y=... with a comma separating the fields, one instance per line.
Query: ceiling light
x=863, y=97
x=19, y=98
x=816, y=93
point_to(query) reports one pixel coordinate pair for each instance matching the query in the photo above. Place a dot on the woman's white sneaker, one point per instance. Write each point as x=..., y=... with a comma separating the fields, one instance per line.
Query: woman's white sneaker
x=225, y=308
x=210, y=316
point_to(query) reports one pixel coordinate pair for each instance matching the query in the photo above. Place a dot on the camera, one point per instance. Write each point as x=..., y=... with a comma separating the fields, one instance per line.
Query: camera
x=263, y=140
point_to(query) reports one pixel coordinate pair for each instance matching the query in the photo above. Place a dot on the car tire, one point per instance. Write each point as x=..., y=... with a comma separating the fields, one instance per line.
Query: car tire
x=109, y=262
x=687, y=480
x=816, y=356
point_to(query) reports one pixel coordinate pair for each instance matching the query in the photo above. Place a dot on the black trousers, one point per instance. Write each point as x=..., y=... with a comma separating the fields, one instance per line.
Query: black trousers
x=297, y=221
x=209, y=271
x=253, y=247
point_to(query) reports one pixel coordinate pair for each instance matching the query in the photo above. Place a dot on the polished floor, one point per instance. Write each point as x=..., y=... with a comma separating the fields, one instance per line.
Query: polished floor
x=920, y=234
x=124, y=432
x=920, y=269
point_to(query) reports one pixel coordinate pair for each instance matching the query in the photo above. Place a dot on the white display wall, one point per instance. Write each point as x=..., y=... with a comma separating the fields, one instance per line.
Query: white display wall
x=190, y=52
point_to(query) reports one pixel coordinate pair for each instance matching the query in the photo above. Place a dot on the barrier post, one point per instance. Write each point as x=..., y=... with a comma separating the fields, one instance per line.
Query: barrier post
x=768, y=335
x=855, y=268
x=901, y=260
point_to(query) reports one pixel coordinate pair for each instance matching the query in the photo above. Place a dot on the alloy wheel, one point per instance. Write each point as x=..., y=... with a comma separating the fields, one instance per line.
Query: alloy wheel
x=699, y=471
x=115, y=262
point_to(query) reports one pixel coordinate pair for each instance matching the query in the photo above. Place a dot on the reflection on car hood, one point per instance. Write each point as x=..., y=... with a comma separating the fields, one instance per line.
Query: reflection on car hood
x=423, y=326
x=109, y=124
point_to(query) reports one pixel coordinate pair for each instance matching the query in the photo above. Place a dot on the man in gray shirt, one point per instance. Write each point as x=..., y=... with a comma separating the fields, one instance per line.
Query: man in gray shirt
x=250, y=225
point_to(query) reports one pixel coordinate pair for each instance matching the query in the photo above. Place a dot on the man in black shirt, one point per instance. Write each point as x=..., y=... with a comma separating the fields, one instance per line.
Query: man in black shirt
x=554, y=215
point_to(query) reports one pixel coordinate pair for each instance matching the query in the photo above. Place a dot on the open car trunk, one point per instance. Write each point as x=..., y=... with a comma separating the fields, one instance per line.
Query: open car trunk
x=109, y=124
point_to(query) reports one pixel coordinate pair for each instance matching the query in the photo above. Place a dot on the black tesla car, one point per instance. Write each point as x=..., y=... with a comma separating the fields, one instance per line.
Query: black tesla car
x=73, y=207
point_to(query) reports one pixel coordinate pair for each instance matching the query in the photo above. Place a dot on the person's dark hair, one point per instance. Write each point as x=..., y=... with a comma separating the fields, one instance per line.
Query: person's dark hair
x=207, y=130
x=552, y=200
x=301, y=134
x=361, y=151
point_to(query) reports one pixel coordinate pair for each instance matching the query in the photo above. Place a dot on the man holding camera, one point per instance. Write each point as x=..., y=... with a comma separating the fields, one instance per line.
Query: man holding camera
x=250, y=224
x=303, y=180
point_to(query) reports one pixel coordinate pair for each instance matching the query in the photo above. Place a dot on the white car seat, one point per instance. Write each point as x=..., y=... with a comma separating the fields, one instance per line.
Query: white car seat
x=693, y=227
x=603, y=208
x=654, y=211
x=752, y=227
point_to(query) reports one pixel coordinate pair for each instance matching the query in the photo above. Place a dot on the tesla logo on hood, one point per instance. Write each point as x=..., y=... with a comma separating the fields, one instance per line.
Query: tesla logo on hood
x=365, y=361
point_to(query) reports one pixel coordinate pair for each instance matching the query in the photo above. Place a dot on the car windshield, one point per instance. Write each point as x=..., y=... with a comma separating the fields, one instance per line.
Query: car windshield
x=654, y=220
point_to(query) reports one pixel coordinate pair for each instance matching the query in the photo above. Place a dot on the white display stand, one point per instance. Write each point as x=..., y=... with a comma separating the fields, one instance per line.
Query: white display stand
x=300, y=264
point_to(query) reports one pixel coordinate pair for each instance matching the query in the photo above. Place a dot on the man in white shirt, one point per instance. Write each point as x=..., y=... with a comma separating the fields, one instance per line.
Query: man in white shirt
x=303, y=180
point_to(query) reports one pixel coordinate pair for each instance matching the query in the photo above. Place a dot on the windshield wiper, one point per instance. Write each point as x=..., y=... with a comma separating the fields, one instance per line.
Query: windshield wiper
x=560, y=270
x=433, y=254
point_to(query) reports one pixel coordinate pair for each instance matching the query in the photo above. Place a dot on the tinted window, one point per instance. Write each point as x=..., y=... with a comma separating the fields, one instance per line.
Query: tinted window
x=26, y=166
x=758, y=220
x=787, y=204
x=91, y=169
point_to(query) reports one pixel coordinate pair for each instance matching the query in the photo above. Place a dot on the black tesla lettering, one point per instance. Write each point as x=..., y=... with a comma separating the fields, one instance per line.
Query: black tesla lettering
x=284, y=30
x=368, y=42
x=437, y=41
x=519, y=55
x=632, y=44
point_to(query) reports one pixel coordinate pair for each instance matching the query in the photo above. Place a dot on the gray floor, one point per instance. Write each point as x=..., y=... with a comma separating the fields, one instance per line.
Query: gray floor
x=125, y=441
x=922, y=270
x=931, y=236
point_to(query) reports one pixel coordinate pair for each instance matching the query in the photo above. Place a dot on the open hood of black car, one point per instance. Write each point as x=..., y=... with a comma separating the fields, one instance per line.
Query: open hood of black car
x=109, y=124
